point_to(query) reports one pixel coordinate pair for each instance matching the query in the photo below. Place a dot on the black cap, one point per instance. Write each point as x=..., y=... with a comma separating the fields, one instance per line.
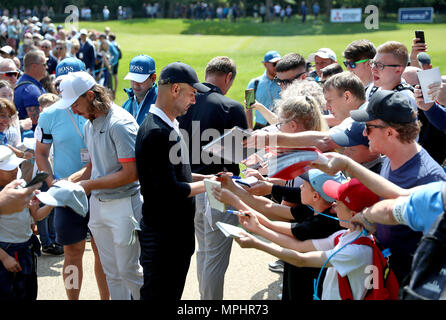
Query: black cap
x=388, y=106
x=178, y=72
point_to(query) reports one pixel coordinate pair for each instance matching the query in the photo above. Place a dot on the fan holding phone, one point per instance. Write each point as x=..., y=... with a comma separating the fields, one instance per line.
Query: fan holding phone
x=418, y=56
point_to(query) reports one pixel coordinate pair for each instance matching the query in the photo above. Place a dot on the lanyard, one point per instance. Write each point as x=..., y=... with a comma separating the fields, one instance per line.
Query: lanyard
x=75, y=125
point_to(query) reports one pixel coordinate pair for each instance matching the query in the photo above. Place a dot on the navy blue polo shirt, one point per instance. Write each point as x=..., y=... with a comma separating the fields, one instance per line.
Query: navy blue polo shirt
x=26, y=95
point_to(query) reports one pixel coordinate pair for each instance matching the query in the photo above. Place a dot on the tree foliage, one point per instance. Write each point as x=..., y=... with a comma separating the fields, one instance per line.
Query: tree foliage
x=246, y=5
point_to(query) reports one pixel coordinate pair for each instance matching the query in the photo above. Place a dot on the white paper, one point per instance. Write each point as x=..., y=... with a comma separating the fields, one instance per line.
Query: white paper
x=426, y=78
x=247, y=181
x=229, y=230
x=229, y=147
x=213, y=202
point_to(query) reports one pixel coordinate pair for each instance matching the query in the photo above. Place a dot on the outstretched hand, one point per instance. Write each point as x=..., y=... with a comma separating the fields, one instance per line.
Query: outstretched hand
x=336, y=162
x=359, y=222
x=225, y=196
x=246, y=240
x=249, y=221
x=260, y=188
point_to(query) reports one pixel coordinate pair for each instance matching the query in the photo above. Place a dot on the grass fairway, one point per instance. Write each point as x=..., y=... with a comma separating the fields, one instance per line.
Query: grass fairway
x=196, y=42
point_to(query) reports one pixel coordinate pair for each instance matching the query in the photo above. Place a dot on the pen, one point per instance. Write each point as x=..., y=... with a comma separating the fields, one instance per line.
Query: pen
x=236, y=212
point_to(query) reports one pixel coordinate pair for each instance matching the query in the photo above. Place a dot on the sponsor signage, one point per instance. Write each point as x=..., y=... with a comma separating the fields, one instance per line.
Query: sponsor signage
x=415, y=15
x=346, y=15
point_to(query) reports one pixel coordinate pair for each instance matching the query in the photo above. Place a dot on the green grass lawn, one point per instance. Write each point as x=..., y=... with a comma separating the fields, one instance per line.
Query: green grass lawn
x=196, y=42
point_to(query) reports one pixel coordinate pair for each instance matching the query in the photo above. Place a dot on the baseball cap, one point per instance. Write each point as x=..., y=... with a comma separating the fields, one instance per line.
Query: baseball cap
x=72, y=86
x=65, y=193
x=83, y=31
x=386, y=105
x=8, y=160
x=424, y=58
x=324, y=53
x=349, y=132
x=140, y=68
x=352, y=193
x=7, y=49
x=351, y=136
x=178, y=72
x=317, y=178
x=271, y=56
x=68, y=65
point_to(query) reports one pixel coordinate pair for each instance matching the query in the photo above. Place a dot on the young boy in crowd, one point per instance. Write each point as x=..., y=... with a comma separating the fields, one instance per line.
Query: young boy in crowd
x=18, y=245
x=351, y=261
x=297, y=282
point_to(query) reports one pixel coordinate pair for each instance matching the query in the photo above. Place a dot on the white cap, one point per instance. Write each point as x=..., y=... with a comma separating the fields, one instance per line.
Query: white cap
x=72, y=86
x=30, y=143
x=324, y=53
x=8, y=159
x=83, y=31
x=65, y=193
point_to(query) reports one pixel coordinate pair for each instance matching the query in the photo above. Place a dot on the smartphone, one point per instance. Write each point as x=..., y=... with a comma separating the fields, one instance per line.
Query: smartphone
x=249, y=97
x=420, y=35
x=40, y=177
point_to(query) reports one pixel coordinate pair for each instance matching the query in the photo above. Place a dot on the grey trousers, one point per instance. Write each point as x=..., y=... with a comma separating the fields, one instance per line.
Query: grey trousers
x=213, y=250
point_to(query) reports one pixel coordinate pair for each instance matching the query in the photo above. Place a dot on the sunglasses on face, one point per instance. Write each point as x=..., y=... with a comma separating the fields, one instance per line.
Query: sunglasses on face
x=368, y=126
x=286, y=82
x=352, y=64
x=14, y=74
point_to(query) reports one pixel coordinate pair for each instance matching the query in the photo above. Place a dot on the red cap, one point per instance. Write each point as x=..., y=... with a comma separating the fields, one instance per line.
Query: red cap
x=353, y=194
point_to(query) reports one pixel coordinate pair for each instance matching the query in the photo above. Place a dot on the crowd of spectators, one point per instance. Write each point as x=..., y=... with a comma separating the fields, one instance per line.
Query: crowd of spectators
x=141, y=162
x=200, y=10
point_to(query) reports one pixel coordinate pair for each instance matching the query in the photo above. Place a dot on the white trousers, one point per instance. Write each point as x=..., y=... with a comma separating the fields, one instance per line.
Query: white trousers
x=112, y=229
x=214, y=249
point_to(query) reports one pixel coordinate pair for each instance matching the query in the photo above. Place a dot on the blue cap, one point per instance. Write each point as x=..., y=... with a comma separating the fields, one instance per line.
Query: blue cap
x=140, y=68
x=350, y=135
x=317, y=178
x=68, y=65
x=423, y=58
x=272, y=56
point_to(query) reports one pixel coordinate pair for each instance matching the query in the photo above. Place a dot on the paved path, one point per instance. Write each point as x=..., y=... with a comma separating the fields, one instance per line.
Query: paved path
x=247, y=278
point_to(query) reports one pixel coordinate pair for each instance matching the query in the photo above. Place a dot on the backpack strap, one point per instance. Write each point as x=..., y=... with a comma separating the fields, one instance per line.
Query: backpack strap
x=26, y=82
x=256, y=84
x=443, y=195
x=345, y=290
x=403, y=86
x=372, y=91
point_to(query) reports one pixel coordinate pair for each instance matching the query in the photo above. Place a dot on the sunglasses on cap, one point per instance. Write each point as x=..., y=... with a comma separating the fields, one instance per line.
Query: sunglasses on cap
x=10, y=74
x=353, y=64
x=287, y=82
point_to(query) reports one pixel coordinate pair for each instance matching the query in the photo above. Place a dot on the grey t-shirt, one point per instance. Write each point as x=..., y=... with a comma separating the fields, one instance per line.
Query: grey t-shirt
x=16, y=227
x=110, y=140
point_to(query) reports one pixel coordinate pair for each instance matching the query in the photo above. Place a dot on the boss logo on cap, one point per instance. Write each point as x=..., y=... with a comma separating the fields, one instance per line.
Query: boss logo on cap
x=134, y=68
x=66, y=69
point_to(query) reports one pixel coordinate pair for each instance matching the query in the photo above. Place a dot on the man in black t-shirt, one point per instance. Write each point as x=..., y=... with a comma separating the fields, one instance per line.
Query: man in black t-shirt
x=212, y=114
